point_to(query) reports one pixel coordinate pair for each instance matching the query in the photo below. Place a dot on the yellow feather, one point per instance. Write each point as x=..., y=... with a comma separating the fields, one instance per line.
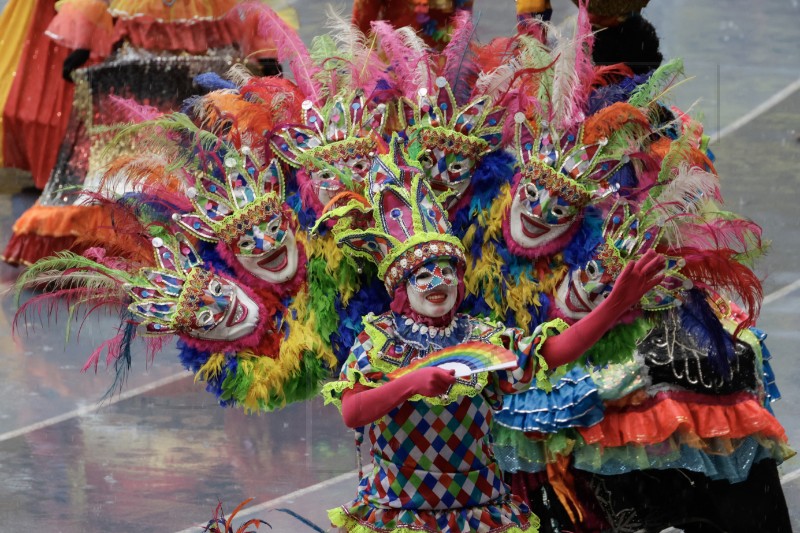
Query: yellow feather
x=211, y=369
x=325, y=247
x=484, y=277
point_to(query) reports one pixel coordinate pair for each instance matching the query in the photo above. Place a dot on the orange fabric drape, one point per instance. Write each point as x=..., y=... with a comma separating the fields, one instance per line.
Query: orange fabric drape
x=38, y=106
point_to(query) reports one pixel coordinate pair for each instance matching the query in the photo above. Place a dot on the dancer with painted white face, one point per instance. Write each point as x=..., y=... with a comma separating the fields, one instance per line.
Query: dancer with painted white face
x=179, y=296
x=433, y=288
x=269, y=250
x=405, y=231
x=452, y=138
x=561, y=174
x=332, y=150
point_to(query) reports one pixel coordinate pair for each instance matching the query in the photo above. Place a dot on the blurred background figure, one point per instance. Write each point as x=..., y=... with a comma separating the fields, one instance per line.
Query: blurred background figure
x=622, y=34
x=142, y=59
x=35, y=101
x=432, y=19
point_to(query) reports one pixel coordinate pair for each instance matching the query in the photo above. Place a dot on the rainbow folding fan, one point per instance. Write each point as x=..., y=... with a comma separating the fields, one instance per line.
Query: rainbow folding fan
x=466, y=359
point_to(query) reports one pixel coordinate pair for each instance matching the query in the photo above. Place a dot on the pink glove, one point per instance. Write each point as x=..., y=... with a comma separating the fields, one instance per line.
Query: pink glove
x=637, y=278
x=363, y=405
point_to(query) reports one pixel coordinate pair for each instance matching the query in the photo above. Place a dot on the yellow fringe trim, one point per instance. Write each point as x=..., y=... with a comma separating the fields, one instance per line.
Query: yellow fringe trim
x=266, y=374
x=339, y=518
x=302, y=333
x=485, y=277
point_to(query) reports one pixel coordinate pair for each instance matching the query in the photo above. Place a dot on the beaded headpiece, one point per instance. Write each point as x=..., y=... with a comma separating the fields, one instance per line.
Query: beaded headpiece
x=443, y=128
x=168, y=301
x=399, y=226
x=341, y=130
x=563, y=164
x=627, y=237
x=231, y=193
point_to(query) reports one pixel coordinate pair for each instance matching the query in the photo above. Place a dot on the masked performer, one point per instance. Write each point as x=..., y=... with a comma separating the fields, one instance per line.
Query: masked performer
x=433, y=467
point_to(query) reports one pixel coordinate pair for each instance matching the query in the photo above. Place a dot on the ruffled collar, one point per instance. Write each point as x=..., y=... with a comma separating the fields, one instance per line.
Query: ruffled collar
x=429, y=338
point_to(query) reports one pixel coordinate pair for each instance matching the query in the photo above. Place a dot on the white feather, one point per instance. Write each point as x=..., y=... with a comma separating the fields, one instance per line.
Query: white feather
x=498, y=81
x=565, y=80
x=691, y=188
x=239, y=74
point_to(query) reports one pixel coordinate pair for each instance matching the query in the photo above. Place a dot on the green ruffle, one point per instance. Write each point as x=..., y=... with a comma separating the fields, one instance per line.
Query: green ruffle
x=544, y=332
x=332, y=392
x=533, y=451
x=618, y=344
x=339, y=518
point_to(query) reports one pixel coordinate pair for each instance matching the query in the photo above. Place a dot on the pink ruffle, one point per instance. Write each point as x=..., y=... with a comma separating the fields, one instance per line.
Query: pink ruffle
x=83, y=24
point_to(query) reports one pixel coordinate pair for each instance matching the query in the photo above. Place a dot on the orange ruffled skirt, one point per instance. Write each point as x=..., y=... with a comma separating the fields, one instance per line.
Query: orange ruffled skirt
x=692, y=415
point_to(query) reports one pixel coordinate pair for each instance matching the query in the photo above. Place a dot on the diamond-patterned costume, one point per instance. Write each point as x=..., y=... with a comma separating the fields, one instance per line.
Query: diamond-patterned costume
x=432, y=463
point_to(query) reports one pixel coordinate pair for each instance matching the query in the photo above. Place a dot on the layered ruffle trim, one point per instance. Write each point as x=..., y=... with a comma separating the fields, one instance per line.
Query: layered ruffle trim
x=182, y=11
x=258, y=383
x=194, y=38
x=42, y=231
x=718, y=459
x=510, y=516
x=26, y=249
x=736, y=416
x=515, y=451
x=193, y=27
x=573, y=401
x=770, y=387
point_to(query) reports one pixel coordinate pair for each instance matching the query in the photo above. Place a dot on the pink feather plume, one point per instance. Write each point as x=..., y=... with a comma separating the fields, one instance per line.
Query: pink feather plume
x=403, y=59
x=291, y=49
x=460, y=70
x=133, y=111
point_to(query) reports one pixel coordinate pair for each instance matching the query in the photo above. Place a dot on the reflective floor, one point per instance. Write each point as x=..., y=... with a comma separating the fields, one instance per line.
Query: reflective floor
x=161, y=455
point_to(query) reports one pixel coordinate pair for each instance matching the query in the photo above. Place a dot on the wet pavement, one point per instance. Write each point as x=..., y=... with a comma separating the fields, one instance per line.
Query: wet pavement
x=160, y=456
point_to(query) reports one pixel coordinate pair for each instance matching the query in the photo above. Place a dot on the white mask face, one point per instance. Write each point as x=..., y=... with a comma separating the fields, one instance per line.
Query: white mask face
x=433, y=288
x=582, y=290
x=276, y=264
x=230, y=315
x=538, y=217
x=448, y=173
x=326, y=185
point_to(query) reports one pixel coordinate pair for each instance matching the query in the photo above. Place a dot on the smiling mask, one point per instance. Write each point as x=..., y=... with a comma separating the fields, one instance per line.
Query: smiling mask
x=239, y=202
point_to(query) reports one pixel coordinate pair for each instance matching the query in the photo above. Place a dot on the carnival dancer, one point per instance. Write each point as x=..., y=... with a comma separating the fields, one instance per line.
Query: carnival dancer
x=682, y=367
x=173, y=295
x=420, y=480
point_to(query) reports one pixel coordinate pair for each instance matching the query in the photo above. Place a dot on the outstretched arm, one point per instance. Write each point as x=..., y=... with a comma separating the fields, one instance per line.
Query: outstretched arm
x=363, y=405
x=637, y=278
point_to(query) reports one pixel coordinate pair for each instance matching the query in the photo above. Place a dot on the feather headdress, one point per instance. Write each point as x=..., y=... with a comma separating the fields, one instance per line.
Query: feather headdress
x=399, y=226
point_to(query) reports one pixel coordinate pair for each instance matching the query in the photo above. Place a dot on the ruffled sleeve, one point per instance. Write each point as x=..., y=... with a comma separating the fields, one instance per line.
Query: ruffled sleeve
x=531, y=366
x=83, y=24
x=356, y=369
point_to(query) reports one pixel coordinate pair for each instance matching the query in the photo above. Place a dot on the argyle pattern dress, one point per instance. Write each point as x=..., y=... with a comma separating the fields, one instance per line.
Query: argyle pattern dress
x=432, y=463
